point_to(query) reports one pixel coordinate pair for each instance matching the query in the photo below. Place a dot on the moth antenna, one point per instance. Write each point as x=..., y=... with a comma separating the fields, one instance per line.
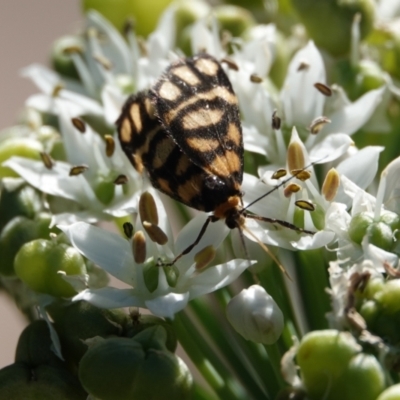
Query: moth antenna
x=267, y=250
x=280, y=184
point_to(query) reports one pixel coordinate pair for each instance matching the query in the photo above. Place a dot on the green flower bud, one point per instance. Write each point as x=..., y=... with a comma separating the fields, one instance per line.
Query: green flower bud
x=104, y=191
x=34, y=346
x=359, y=225
x=389, y=297
x=61, y=55
x=23, y=201
x=18, y=146
x=119, y=11
x=143, y=322
x=78, y=321
x=255, y=315
x=120, y=368
x=38, y=264
x=363, y=378
x=323, y=356
x=369, y=310
x=44, y=382
x=16, y=233
x=234, y=19
x=380, y=235
x=329, y=22
x=391, y=393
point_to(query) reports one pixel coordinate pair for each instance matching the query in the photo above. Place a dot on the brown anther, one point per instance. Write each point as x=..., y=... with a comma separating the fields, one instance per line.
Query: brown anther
x=47, y=160
x=276, y=121
x=295, y=156
x=290, y=189
x=121, y=180
x=230, y=63
x=110, y=145
x=279, y=173
x=79, y=124
x=78, y=169
x=142, y=46
x=139, y=247
x=57, y=89
x=204, y=257
x=255, y=78
x=128, y=229
x=318, y=123
x=301, y=174
x=103, y=61
x=148, y=209
x=305, y=205
x=73, y=49
x=303, y=66
x=324, y=89
x=156, y=234
x=129, y=26
x=331, y=184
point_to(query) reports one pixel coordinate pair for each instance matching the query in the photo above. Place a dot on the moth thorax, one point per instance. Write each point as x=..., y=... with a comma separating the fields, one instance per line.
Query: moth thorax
x=230, y=211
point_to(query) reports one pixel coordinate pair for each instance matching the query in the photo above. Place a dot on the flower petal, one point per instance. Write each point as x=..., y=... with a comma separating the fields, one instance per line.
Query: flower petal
x=167, y=306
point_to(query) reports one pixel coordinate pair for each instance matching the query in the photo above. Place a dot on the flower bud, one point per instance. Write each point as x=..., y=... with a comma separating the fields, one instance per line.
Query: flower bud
x=323, y=356
x=18, y=146
x=391, y=393
x=61, y=58
x=255, y=315
x=21, y=381
x=39, y=263
x=122, y=368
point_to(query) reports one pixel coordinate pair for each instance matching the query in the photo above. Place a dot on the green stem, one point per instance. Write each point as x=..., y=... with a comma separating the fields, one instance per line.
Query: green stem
x=225, y=339
x=199, y=393
x=313, y=280
x=206, y=360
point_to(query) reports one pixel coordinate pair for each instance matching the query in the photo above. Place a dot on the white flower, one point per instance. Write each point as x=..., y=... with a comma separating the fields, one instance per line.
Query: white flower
x=169, y=289
x=255, y=315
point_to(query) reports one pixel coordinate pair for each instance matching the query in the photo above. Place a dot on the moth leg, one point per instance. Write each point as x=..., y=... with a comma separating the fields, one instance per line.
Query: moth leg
x=211, y=218
x=279, y=222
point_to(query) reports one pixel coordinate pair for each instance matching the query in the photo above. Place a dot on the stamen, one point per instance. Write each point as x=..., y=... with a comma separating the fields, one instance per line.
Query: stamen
x=279, y=173
x=121, y=180
x=57, y=89
x=156, y=234
x=79, y=124
x=290, y=189
x=78, y=170
x=324, y=89
x=301, y=174
x=255, y=78
x=318, y=123
x=47, y=160
x=110, y=145
x=303, y=66
x=139, y=247
x=276, y=121
x=230, y=63
x=148, y=209
x=204, y=257
x=103, y=61
x=295, y=156
x=128, y=229
x=305, y=205
x=331, y=184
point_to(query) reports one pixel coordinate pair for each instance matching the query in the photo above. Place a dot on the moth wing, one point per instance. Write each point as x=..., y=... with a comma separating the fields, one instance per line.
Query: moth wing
x=197, y=106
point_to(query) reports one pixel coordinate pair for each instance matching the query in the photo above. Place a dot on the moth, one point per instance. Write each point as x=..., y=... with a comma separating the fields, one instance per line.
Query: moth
x=185, y=132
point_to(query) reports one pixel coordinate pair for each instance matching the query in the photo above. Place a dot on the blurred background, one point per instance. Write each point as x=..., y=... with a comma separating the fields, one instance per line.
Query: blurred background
x=27, y=30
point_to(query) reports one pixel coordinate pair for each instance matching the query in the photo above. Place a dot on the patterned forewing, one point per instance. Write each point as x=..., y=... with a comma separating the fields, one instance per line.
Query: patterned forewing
x=149, y=147
x=197, y=106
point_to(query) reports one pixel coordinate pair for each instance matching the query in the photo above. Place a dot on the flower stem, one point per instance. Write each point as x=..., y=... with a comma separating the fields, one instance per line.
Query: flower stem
x=206, y=360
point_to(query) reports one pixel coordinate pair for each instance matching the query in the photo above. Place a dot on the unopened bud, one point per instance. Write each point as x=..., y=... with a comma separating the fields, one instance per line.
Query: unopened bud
x=204, y=257
x=331, y=184
x=255, y=315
